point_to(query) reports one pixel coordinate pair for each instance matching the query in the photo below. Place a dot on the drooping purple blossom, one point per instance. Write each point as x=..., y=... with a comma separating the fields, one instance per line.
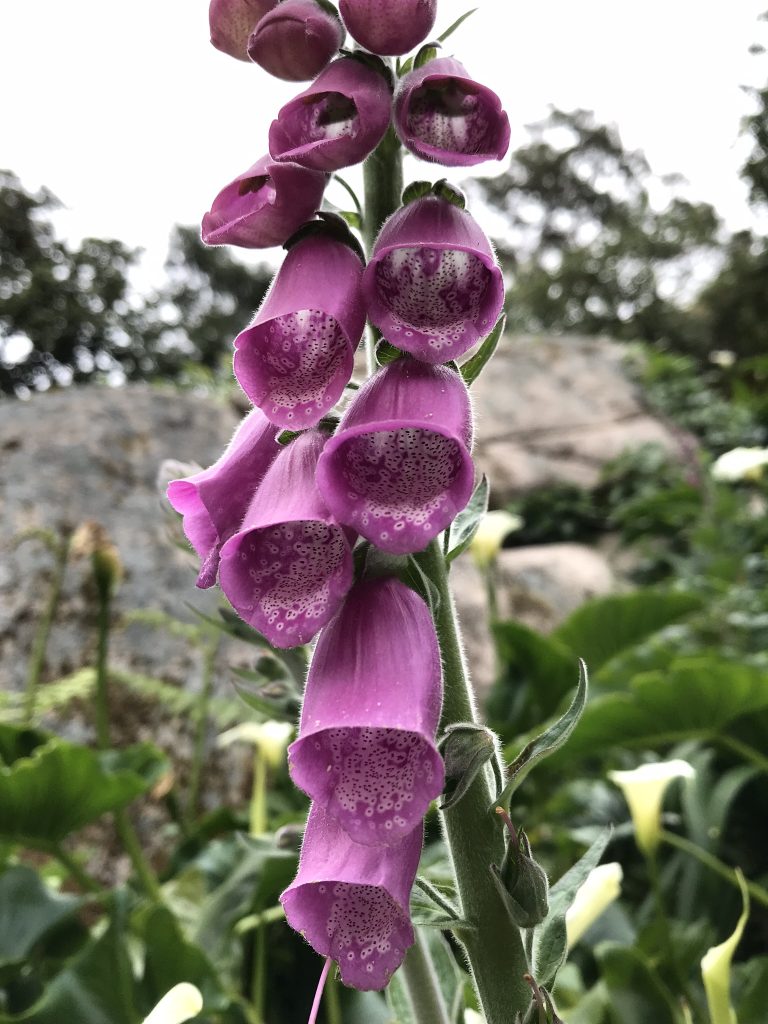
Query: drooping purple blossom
x=433, y=286
x=339, y=120
x=213, y=501
x=264, y=205
x=443, y=115
x=366, y=750
x=296, y=358
x=398, y=469
x=389, y=27
x=232, y=21
x=295, y=40
x=287, y=569
x=350, y=902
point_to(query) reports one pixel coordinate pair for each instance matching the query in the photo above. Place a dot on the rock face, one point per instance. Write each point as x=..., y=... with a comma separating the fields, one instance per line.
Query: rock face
x=556, y=410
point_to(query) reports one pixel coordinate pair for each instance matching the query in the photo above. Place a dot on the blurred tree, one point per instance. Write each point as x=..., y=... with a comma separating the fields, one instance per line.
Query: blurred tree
x=69, y=314
x=588, y=251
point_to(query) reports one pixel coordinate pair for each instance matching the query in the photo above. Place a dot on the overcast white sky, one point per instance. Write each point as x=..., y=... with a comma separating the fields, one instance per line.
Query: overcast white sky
x=131, y=117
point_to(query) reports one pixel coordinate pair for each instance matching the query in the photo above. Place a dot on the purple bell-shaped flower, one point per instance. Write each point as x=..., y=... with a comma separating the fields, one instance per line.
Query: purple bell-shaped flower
x=442, y=115
x=213, y=501
x=398, y=468
x=351, y=902
x=264, y=205
x=366, y=750
x=296, y=40
x=433, y=286
x=287, y=569
x=339, y=120
x=295, y=359
x=389, y=27
x=232, y=22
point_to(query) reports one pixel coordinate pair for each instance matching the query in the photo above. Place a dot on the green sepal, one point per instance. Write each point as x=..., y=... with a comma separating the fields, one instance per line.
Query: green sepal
x=416, y=190
x=327, y=225
x=466, y=748
x=427, y=53
x=473, y=367
x=387, y=353
x=405, y=68
x=522, y=883
x=443, y=189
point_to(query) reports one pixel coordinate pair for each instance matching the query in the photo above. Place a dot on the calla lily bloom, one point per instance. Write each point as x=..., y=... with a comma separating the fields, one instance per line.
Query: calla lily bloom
x=289, y=566
x=339, y=120
x=716, y=966
x=295, y=40
x=398, y=468
x=442, y=115
x=213, y=501
x=366, y=749
x=264, y=205
x=181, y=1004
x=232, y=21
x=389, y=27
x=644, y=790
x=598, y=892
x=296, y=358
x=433, y=286
x=350, y=902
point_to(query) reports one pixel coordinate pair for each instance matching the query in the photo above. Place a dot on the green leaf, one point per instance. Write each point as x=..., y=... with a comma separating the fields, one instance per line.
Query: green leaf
x=693, y=699
x=551, y=740
x=59, y=787
x=603, y=628
x=452, y=28
x=636, y=994
x=550, y=943
x=447, y=974
x=28, y=910
x=433, y=906
x=464, y=527
x=466, y=748
x=473, y=367
x=750, y=984
x=406, y=67
x=415, y=577
x=427, y=53
x=386, y=353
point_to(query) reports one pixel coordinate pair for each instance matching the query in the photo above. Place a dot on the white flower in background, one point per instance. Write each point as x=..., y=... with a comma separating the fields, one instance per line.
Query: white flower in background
x=740, y=464
x=473, y=1017
x=181, y=1004
x=494, y=527
x=644, y=790
x=270, y=737
x=716, y=966
x=601, y=887
x=722, y=357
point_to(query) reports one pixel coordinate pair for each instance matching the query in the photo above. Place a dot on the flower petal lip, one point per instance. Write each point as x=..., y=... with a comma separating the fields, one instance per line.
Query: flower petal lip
x=287, y=569
x=232, y=21
x=366, y=750
x=433, y=285
x=389, y=27
x=213, y=501
x=398, y=468
x=337, y=121
x=351, y=902
x=295, y=40
x=296, y=358
x=264, y=205
x=444, y=116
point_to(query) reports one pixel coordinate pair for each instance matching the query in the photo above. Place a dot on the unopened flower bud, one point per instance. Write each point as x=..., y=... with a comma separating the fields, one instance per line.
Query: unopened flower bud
x=232, y=22
x=296, y=40
x=521, y=881
x=389, y=27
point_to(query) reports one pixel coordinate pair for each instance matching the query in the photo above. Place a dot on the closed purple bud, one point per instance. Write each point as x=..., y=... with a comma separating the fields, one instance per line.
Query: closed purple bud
x=351, y=902
x=296, y=40
x=213, y=501
x=232, y=22
x=296, y=358
x=389, y=27
x=339, y=120
x=287, y=569
x=264, y=205
x=433, y=286
x=366, y=750
x=398, y=469
x=442, y=115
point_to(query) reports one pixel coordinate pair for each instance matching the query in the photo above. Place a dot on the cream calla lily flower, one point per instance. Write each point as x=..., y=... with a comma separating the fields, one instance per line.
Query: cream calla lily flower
x=181, y=1004
x=270, y=737
x=494, y=527
x=601, y=887
x=716, y=966
x=740, y=464
x=644, y=790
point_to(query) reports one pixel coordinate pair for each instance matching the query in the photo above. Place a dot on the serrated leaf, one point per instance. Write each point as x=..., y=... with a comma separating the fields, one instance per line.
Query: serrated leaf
x=550, y=944
x=465, y=525
x=473, y=367
x=551, y=740
x=452, y=28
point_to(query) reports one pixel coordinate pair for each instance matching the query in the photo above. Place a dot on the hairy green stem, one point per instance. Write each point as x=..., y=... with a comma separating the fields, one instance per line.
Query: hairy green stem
x=43, y=632
x=422, y=985
x=493, y=944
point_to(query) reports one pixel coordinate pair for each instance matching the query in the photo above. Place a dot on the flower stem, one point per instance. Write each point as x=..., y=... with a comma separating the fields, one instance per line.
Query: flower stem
x=422, y=985
x=258, y=811
x=493, y=943
x=201, y=725
x=756, y=892
x=40, y=643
